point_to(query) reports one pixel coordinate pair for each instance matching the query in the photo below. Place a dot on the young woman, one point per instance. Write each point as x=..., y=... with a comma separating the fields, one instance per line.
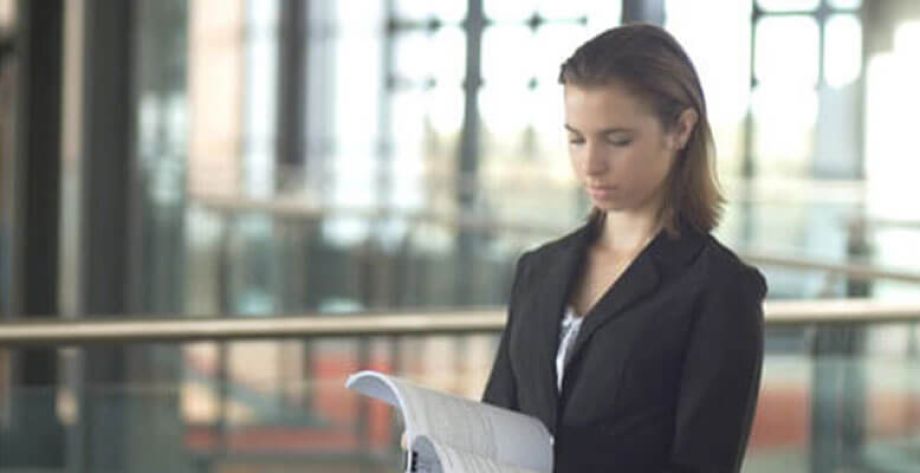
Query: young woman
x=638, y=338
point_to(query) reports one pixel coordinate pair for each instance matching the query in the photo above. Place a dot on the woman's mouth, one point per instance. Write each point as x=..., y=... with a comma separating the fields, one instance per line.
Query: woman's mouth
x=601, y=192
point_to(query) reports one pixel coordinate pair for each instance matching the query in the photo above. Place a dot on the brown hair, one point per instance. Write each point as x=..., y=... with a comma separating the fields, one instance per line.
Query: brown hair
x=650, y=63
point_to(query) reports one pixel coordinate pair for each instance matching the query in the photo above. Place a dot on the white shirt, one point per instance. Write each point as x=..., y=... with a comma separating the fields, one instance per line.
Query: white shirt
x=571, y=323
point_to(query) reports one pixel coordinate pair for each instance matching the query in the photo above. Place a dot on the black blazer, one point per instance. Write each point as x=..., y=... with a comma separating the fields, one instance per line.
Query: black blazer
x=665, y=370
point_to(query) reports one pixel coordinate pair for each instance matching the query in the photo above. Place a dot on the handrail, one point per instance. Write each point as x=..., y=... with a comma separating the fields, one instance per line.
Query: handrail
x=296, y=210
x=859, y=272
x=89, y=331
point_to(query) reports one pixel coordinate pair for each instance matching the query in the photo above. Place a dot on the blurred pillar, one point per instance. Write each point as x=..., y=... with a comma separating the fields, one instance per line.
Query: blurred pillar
x=105, y=173
x=131, y=228
x=291, y=84
x=467, y=182
x=646, y=11
x=838, y=414
x=838, y=399
x=35, y=436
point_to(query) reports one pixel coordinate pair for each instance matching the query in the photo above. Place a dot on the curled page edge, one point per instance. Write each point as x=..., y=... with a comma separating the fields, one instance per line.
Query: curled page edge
x=386, y=388
x=381, y=386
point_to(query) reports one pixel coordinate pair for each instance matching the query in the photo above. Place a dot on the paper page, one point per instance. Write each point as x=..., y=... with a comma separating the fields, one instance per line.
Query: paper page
x=507, y=437
x=435, y=457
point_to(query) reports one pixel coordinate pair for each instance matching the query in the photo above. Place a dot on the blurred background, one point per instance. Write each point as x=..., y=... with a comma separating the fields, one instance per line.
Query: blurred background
x=296, y=178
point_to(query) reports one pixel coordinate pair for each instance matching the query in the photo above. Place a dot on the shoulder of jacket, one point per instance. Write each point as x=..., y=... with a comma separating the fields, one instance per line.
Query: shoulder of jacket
x=727, y=269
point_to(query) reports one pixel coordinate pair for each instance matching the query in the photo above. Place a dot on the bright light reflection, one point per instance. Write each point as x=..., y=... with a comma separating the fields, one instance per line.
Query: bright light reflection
x=565, y=10
x=407, y=108
x=444, y=108
x=556, y=43
x=419, y=55
x=788, y=5
x=261, y=80
x=505, y=11
x=447, y=55
x=842, y=50
x=784, y=126
x=548, y=111
x=451, y=11
x=406, y=167
x=724, y=75
x=508, y=56
x=786, y=50
x=892, y=157
x=356, y=125
x=846, y=4
x=504, y=109
x=892, y=161
x=7, y=14
x=412, y=50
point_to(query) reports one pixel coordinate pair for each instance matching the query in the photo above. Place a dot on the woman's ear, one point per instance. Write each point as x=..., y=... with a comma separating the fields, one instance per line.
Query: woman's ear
x=686, y=122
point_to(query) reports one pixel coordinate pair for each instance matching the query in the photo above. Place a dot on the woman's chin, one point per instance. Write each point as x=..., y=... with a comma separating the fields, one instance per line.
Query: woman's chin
x=606, y=205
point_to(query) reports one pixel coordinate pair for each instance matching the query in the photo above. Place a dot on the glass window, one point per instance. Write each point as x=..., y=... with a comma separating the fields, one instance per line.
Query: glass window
x=601, y=15
x=846, y=4
x=784, y=120
x=421, y=56
x=569, y=9
x=215, y=89
x=523, y=155
x=842, y=49
x=891, y=167
x=358, y=92
x=786, y=50
x=503, y=11
x=892, y=98
x=446, y=11
x=508, y=56
x=260, y=98
x=555, y=42
x=788, y=5
x=7, y=14
x=722, y=59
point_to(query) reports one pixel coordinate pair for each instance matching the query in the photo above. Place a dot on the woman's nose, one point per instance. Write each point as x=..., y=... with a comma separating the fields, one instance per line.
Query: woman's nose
x=595, y=160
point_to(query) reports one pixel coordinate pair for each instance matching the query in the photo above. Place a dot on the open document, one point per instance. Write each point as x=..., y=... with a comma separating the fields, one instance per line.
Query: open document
x=449, y=434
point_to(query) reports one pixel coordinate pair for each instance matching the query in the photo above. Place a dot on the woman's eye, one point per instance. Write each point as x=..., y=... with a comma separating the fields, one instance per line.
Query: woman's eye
x=576, y=141
x=620, y=141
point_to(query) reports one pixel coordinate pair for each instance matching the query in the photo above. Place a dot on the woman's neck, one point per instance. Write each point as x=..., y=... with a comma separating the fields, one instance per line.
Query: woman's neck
x=624, y=232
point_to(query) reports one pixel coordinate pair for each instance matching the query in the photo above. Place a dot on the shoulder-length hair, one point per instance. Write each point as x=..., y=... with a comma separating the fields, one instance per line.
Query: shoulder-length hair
x=651, y=63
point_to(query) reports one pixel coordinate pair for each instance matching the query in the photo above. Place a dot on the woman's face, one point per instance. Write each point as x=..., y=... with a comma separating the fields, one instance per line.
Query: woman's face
x=619, y=150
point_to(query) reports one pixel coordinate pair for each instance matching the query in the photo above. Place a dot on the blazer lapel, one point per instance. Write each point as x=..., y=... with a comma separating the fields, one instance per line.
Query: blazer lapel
x=638, y=282
x=661, y=257
x=658, y=261
x=552, y=291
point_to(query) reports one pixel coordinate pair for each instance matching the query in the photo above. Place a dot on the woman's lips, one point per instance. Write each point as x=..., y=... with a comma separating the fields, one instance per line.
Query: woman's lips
x=601, y=192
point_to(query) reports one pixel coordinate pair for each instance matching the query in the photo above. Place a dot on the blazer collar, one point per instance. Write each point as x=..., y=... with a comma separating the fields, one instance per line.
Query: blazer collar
x=661, y=258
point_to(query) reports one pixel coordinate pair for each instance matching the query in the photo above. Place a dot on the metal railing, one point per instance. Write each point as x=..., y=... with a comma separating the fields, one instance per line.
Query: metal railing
x=295, y=210
x=91, y=330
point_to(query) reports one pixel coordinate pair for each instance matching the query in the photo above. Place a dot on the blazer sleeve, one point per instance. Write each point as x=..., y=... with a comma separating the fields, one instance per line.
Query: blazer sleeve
x=500, y=388
x=721, y=377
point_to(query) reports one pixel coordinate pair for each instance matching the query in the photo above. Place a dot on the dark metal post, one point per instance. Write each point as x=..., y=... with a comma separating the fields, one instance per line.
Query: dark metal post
x=106, y=171
x=748, y=164
x=647, y=11
x=36, y=436
x=468, y=164
x=291, y=84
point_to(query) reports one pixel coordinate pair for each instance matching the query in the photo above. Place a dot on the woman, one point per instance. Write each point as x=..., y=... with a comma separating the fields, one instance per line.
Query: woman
x=638, y=338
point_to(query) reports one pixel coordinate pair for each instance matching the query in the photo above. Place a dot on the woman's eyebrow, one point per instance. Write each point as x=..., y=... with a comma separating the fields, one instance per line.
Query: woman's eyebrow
x=605, y=131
